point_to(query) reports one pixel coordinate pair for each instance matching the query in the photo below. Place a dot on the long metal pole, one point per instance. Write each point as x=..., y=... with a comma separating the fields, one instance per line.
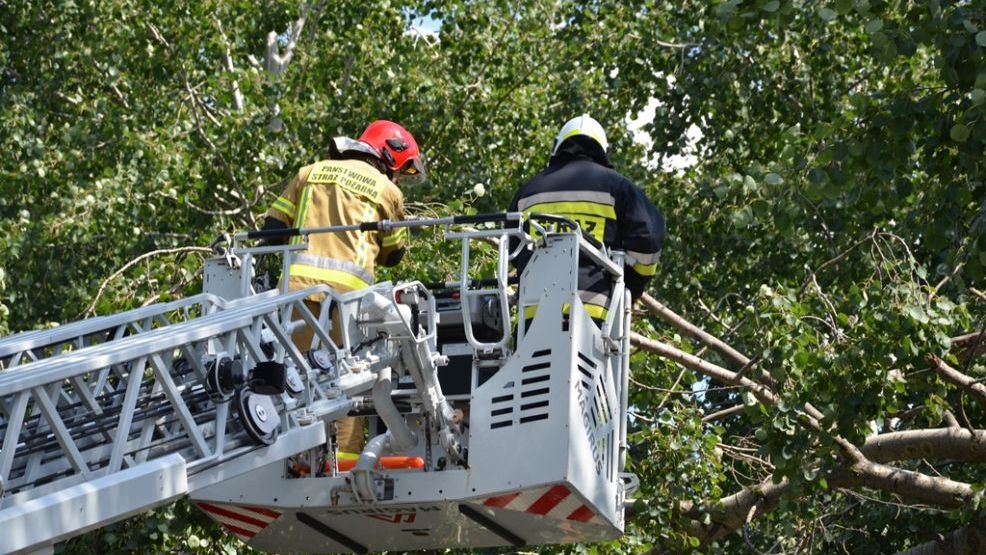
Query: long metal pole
x=382, y=225
x=625, y=377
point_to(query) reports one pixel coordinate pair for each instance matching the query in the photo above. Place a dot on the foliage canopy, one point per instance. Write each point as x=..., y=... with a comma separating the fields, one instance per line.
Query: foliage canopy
x=832, y=228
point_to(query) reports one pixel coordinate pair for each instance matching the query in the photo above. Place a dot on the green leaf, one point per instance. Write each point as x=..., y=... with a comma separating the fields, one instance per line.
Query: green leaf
x=773, y=179
x=749, y=399
x=874, y=26
x=827, y=14
x=749, y=184
x=817, y=176
x=727, y=8
x=742, y=217
x=959, y=133
x=917, y=313
x=978, y=96
x=981, y=38
x=771, y=6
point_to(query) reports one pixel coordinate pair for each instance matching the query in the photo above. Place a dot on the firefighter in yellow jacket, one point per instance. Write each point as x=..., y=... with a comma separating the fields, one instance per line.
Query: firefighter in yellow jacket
x=358, y=183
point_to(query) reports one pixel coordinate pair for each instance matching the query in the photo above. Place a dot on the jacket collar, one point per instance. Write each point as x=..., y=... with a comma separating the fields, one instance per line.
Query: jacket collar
x=344, y=148
x=580, y=148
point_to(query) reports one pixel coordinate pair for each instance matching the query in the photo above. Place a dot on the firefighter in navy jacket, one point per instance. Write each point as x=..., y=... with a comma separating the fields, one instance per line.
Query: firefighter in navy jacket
x=580, y=184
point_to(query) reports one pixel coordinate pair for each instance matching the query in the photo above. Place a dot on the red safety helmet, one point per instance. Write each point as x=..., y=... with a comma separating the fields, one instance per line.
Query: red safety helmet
x=395, y=146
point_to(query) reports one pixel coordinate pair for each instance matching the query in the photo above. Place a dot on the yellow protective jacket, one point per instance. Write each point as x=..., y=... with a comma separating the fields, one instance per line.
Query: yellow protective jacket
x=340, y=192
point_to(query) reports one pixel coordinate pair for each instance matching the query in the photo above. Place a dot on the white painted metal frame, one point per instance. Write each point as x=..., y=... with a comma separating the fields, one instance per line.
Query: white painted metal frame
x=111, y=414
x=552, y=416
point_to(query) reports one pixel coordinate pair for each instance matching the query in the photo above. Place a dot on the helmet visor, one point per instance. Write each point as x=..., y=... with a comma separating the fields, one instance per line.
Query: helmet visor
x=413, y=173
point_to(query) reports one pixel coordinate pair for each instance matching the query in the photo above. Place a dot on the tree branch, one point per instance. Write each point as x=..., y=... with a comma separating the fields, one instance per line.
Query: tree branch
x=835, y=260
x=724, y=413
x=704, y=367
x=681, y=324
x=277, y=63
x=971, y=345
x=102, y=287
x=665, y=44
x=958, y=444
x=968, y=339
x=667, y=393
x=684, y=326
x=195, y=104
x=178, y=284
x=763, y=394
x=952, y=375
x=909, y=484
x=228, y=61
x=732, y=512
x=951, y=420
x=968, y=540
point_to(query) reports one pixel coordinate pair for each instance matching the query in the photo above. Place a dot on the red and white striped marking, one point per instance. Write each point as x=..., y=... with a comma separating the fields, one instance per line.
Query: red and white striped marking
x=551, y=501
x=242, y=521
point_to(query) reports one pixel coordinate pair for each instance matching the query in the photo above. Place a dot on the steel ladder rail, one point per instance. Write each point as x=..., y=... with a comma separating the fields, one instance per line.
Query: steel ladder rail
x=31, y=346
x=54, y=389
x=75, y=336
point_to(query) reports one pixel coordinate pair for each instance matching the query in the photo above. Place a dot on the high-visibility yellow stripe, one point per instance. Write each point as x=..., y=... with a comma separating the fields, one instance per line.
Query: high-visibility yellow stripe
x=299, y=220
x=395, y=238
x=645, y=269
x=596, y=311
x=286, y=206
x=324, y=274
x=593, y=310
x=347, y=456
x=574, y=207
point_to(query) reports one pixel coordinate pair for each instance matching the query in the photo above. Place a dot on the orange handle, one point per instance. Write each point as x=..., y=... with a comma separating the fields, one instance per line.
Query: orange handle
x=388, y=463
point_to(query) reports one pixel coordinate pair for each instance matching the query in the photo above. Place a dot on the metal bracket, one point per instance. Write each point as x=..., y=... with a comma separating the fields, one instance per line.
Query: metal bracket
x=631, y=483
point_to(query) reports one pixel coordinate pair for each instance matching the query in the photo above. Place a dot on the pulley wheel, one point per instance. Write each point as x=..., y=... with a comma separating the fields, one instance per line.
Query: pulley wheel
x=258, y=416
x=222, y=378
x=293, y=384
x=320, y=358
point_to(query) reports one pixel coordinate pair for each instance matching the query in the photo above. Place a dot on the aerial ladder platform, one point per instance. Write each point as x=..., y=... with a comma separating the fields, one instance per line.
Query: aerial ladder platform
x=486, y=429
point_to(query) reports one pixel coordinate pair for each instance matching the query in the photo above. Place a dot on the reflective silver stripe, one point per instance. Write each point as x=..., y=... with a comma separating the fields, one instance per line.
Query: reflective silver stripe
x=327, y=263
x=644, y=258
x=588, y=297
x=566, y=196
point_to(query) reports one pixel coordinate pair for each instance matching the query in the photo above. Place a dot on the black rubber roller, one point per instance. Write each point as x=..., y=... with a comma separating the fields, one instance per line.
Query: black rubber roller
x=222, y=378
x=268, y=378
x=259, y=417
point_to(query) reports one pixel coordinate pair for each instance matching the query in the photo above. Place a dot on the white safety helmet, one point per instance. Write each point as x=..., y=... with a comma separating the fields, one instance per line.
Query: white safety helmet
x=581, y=125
